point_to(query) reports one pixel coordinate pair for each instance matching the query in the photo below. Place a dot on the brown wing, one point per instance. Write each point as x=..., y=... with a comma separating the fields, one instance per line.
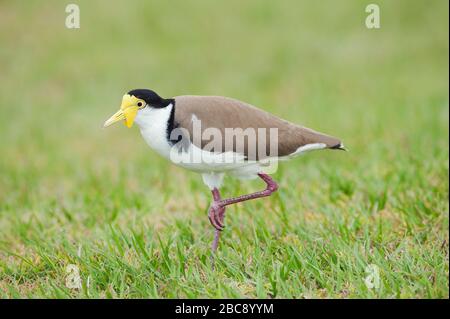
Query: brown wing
x=236, y=121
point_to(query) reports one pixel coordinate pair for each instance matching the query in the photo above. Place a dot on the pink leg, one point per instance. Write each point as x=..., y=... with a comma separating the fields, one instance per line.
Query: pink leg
x=216, y=196
x=217, y=208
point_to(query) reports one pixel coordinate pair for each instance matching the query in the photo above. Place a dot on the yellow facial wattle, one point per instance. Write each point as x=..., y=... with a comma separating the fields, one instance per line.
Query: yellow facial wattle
x=130, y=115
x=128, y=111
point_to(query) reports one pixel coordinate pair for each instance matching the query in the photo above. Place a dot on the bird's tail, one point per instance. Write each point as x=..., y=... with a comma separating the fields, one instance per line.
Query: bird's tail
x=339, y=146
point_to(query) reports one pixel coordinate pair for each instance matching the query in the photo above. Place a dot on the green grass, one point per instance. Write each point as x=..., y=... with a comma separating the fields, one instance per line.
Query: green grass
x=73, y=193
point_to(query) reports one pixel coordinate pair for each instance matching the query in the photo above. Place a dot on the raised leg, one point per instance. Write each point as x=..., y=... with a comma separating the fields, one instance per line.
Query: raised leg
x=216, y=210
x=216, y=196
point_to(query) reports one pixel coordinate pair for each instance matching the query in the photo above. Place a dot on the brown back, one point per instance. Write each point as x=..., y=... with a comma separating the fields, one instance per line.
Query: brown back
x=221, y=113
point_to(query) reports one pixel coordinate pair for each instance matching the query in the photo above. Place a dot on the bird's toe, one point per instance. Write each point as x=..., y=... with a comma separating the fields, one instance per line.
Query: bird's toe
x=215, y=216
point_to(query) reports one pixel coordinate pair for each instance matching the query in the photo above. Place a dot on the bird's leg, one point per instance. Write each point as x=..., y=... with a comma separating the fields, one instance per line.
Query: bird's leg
x=216, y=196
x=216, y=210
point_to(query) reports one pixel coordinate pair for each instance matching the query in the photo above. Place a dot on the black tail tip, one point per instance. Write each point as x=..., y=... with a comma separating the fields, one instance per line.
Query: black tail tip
x=339, y=146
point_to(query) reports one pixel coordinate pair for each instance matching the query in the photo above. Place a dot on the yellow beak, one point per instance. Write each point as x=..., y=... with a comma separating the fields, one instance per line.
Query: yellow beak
x=118, y=116
x=128, y=111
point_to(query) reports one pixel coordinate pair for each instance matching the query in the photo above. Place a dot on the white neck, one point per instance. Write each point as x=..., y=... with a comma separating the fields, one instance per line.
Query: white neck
x=153, y=125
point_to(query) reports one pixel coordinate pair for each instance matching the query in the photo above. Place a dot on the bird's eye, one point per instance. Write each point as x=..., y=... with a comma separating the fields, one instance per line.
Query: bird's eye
x=140, y=104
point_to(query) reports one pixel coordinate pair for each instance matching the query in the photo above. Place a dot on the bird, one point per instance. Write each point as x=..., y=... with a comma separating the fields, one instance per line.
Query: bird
x=217, y=136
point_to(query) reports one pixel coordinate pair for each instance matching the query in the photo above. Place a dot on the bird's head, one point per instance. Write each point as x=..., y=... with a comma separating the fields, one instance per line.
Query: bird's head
x=134, y=102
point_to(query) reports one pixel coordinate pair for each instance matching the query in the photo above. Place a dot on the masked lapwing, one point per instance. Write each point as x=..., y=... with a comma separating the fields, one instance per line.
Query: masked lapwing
x=214, y=136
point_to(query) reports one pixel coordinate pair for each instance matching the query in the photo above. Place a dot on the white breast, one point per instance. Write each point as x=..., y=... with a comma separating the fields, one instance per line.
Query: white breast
x=153, y=125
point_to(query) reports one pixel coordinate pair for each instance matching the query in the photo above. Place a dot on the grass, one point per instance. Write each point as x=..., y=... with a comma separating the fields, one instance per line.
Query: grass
x=72, y=193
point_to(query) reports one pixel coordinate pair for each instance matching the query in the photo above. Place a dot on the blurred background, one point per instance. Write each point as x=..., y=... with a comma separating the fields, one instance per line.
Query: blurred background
x=384, y=92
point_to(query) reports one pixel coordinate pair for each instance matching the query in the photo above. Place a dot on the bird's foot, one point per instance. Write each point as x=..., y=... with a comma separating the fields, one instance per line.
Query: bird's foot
x=216, y=215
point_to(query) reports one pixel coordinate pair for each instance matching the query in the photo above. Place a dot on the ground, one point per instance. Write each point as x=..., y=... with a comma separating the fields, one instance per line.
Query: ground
x=72, y=193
